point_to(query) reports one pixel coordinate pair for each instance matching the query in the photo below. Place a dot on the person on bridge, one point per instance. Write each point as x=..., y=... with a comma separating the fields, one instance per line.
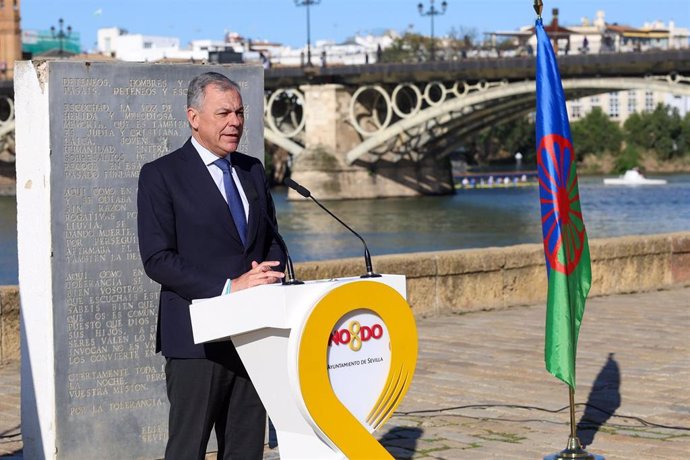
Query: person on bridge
x=202, y=223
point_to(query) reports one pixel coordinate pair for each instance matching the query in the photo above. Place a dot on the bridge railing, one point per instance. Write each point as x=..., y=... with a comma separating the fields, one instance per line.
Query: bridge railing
x=7, y=148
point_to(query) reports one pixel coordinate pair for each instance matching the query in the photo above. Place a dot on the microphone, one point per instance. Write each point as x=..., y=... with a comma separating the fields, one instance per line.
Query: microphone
x=291, y=280
x=307, y=194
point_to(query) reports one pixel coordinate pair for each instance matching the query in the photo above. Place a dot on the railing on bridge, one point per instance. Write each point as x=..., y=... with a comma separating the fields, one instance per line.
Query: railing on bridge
x=412, y=119
x=510, y=69
x=7, y=146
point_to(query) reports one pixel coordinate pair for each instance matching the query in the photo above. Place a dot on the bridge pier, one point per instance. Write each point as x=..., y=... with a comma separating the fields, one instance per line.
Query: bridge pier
x=329, y=135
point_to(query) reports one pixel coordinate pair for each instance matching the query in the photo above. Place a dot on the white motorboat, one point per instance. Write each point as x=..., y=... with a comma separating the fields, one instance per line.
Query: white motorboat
x=633, y=177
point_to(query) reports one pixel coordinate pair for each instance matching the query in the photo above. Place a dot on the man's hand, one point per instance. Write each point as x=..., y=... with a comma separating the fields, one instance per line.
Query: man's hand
x=262, y=273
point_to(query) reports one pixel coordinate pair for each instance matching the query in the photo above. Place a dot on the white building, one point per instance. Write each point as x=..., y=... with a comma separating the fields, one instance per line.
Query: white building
x=360, y=49
x=357, y=50
x=124, y=46
x=598, y=36
x=619, y=105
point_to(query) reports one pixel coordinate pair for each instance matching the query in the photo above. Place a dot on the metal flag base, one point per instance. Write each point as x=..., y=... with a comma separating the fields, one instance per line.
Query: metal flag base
x=574, y=451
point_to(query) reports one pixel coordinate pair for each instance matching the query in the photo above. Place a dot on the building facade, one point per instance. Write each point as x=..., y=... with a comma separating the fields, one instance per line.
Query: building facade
x=619, y=105
x=10, y=38
x=598, y=36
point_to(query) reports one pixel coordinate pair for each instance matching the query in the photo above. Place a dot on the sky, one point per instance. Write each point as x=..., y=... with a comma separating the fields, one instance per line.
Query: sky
x=283, y=22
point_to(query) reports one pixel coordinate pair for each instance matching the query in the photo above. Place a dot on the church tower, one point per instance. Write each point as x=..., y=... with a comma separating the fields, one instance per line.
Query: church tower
x=10, y=38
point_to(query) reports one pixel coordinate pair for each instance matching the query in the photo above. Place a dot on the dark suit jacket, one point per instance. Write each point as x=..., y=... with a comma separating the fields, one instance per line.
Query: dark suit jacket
x=189, y=244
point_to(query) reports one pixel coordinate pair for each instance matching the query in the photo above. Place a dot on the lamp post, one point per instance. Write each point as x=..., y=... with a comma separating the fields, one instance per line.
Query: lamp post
x=308, y=3
x=431, y=12
x=61, y=35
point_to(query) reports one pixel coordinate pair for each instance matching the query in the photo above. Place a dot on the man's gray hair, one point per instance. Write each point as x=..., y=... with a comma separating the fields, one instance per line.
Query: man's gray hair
x=195, y=92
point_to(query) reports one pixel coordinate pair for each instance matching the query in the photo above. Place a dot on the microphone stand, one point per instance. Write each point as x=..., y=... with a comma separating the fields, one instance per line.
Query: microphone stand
x=307, y=194
x=291, y=279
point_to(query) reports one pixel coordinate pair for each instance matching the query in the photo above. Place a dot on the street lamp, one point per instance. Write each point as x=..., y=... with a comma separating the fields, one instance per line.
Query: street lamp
x=308, y=3
x=61, y=35
x=431, y=12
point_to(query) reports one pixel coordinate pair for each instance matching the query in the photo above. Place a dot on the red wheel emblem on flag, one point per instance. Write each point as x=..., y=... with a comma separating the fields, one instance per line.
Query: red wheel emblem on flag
x=562, y=225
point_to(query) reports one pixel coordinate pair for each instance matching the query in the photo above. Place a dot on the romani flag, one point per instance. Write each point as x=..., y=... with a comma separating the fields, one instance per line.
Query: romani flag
x=565, y=239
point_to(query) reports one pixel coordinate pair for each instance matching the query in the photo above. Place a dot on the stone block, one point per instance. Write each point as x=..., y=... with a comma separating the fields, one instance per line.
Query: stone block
x=680, y=243
x=327, y=269
x=422, y=296
x=470, y=261
x=524, y=255
x=612, y=248
x=470, y=291
x=633, y=273
x=9, y=324
x=680, y=269
x=525, y=285
x=414, y=265
x=83, y=131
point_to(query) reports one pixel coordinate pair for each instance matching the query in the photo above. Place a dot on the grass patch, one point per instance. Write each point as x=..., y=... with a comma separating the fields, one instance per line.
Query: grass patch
x=510, y=438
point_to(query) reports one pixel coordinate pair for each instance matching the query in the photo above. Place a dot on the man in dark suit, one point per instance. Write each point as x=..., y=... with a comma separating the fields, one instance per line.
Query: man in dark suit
x=202, y=221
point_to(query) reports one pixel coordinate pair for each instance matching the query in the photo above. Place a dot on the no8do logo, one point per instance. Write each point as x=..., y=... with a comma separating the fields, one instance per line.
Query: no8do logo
x=355, y=335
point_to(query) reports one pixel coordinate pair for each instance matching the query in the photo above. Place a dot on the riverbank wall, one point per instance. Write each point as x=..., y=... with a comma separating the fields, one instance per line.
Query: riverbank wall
x=477, y=279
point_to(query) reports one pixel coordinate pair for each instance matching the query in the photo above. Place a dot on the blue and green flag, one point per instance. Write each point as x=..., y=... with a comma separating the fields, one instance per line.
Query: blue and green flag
x=565, y=239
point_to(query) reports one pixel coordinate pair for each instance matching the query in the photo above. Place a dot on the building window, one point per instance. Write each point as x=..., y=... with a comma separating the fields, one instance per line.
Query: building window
x=632, y=101
x=148, y=45
x=594, y=102
x=613, y=105
x=648, y=101
x=575, y=110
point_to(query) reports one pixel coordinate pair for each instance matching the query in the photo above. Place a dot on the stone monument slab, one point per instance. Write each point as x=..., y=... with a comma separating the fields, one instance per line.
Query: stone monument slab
x=92, y=386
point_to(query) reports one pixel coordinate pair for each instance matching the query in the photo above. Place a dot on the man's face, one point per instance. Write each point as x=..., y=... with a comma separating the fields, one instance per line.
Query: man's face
x=218, y=124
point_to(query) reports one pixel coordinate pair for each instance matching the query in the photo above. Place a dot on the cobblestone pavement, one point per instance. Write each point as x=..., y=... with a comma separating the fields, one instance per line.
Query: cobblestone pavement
x=10, y=429
x=481, y=392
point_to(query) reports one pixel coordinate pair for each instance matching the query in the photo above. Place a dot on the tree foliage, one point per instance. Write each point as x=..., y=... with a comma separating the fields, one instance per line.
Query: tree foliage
x=628, y=159
x=662, y=131
x=414, y=47
x=410, y=47
x=505, y=140
x=596, y=134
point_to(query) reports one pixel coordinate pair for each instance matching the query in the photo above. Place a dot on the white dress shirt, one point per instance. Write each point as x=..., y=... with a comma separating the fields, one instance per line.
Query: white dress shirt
x=217, y=174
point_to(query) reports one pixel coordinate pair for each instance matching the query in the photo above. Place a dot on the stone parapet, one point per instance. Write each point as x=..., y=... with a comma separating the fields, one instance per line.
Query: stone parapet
x=476, y=279
x=479, y=279
x=9, y=324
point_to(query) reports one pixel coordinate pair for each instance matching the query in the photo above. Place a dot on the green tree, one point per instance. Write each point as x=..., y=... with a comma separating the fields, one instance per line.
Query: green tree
x=635, y=130
x=685, y=134
x=414, y=47
x=596, y=134
x=661, y=131
x=503, y=141
x=628, y=159
x=411, y=47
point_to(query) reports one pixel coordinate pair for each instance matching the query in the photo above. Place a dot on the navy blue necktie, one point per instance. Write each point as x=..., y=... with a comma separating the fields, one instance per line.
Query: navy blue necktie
x=234, y=200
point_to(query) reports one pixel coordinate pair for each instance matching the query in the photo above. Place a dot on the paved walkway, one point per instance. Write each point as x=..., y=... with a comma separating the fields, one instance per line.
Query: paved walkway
x=481, y=391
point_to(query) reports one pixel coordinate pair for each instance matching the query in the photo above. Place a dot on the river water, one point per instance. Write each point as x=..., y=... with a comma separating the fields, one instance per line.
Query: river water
x=469, y=219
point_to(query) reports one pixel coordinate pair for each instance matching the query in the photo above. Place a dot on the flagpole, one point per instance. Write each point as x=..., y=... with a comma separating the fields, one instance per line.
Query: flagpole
x=574, y=450
x=573, y=430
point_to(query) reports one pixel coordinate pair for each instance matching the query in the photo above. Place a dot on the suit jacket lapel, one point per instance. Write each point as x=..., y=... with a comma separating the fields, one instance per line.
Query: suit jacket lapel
x=208, y=193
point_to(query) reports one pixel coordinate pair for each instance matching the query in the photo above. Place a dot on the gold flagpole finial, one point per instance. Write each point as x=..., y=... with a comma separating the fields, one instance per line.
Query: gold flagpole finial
x=538, y=7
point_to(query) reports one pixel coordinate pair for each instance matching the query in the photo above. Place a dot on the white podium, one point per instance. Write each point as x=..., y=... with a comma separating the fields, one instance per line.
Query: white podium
x=330, y=359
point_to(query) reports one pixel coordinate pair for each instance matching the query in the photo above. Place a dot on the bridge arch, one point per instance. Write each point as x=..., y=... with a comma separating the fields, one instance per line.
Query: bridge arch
x=409, y=135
